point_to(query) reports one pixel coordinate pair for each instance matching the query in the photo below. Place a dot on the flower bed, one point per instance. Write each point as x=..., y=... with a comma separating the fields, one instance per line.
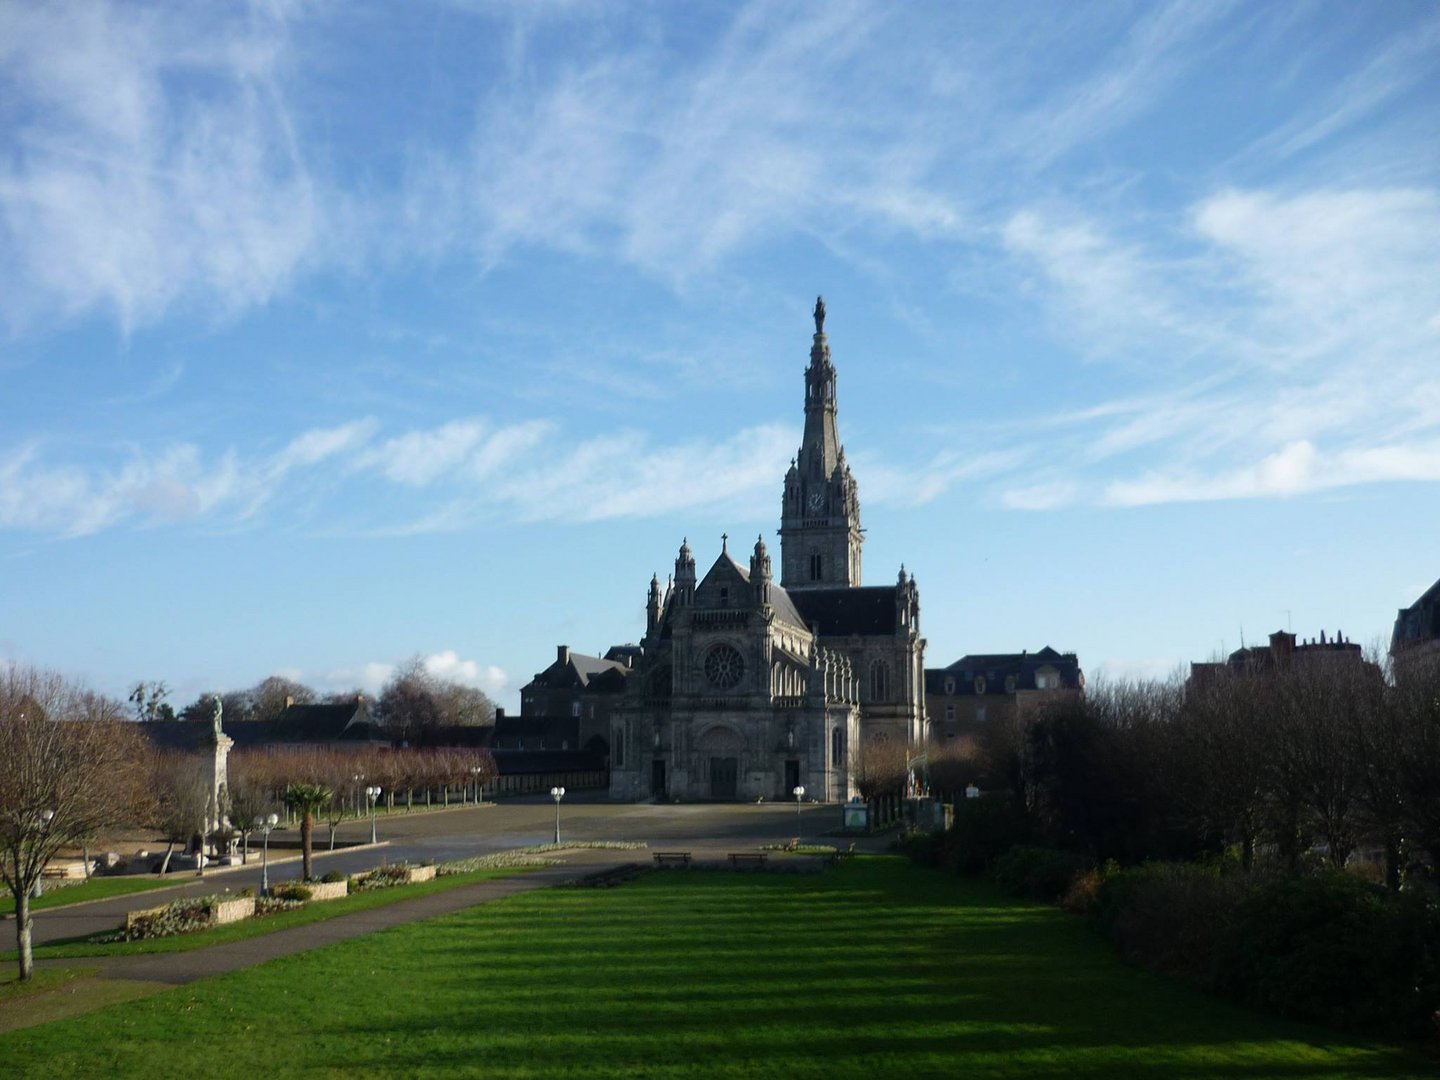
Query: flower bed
x=184, y=916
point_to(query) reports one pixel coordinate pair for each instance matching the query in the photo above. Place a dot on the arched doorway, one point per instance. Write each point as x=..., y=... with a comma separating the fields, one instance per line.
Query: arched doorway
x=719, y=750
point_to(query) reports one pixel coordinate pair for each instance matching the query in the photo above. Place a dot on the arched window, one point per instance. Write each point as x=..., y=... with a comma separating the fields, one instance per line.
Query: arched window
x=879, y=681
x=837, y=745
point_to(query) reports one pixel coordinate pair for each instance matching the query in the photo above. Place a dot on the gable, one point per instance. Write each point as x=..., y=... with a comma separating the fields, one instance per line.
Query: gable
x=726, y=584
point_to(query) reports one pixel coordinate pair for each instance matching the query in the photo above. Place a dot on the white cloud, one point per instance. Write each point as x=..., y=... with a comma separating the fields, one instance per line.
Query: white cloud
x=419, y=457
x=1286, y=343
x=1040, y=496
x=447, y=664
x=175, y=483
x=120, y=194
x=1296, y=469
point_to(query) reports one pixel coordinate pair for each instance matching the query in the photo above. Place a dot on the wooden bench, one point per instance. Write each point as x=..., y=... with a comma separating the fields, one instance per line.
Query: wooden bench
x=747, y=858
x=672, y=858
x=829, y=858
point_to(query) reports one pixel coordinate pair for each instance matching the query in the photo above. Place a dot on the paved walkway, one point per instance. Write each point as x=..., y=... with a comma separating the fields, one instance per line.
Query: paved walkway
x=176, y=969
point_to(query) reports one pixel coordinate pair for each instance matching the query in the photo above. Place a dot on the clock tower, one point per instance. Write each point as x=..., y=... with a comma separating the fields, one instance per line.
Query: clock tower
x=820, y=533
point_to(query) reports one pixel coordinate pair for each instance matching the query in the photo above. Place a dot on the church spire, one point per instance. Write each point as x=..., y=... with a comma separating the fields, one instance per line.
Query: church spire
x=820, y=448
x=820, y=534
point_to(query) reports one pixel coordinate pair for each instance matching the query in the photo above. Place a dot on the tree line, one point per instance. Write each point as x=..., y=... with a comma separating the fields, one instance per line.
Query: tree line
x=1322, y=760
x=74, y=767
x=413, y=705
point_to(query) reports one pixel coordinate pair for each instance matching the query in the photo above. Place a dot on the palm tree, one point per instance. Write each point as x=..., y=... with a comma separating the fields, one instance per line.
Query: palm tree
x=306, y=800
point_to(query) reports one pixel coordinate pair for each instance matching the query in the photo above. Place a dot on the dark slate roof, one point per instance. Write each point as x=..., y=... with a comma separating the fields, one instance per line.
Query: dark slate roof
x=1419, y=622
x=578, y=671
x=190, y=736
x=350, y=720
x=996, y=667
x=784, y=605
x=620, y=653
x=867, y=611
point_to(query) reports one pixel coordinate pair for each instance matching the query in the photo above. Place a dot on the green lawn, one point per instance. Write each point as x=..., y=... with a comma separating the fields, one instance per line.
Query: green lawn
x=98, y=888
x=874, y=969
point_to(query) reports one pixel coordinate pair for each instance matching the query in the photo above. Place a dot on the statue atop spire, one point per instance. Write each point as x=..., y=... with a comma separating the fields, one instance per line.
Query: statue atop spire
x=819, y=314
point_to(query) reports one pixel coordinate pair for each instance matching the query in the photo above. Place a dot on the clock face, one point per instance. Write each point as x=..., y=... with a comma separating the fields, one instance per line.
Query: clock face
x=817, y=500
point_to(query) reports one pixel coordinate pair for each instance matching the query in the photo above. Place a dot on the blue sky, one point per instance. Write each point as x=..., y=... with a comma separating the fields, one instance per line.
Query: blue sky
x=337, y=333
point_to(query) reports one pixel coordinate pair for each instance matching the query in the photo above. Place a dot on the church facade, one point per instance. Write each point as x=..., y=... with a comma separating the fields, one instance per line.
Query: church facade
x=746, y=686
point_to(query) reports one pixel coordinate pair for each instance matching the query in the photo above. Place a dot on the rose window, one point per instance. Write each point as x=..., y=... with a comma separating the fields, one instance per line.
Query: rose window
x=724, y=666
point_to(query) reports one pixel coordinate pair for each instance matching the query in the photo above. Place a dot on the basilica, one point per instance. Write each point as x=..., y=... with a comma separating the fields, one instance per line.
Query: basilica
x=748, y=687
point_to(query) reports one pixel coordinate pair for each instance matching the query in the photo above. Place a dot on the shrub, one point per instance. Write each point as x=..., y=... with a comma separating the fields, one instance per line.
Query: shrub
x=332, y=877
x=271, y=905
x=983, y=830
x=1084, y=889
x=293, y=892
x=1170, y=917
x=382, y=877
x=1038, y=873
x=1334, y=949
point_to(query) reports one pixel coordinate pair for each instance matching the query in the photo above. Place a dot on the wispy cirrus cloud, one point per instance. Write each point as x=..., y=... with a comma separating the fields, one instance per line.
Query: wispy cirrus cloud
x=1312, y=322
x=151, y=157
x=174, y=483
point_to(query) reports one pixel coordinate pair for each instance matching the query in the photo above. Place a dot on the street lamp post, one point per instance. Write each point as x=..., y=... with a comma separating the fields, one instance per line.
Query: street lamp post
x=371, y=794
x=799, y=793
x=475, y=771
x=266, y=824
x=557, y=793
x=357, y=779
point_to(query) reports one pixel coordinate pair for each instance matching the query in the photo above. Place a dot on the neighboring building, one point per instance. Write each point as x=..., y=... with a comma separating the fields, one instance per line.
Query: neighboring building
x=568, y=705
x=984, y=688
x=1283, y=652
x=746, y=687
x=344, y=723
x=1417, y=629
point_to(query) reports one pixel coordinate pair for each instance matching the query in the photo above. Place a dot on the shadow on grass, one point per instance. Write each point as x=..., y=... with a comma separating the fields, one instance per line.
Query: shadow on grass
x=877, y=968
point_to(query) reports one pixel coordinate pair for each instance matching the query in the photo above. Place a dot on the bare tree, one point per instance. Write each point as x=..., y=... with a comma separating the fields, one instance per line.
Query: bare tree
x=62, y=779
x=1319, y=707
x=149, y=701
x=878, y=766
x=1415, y=705
x=1224, y=758
x=253, y=796
x=182, y=800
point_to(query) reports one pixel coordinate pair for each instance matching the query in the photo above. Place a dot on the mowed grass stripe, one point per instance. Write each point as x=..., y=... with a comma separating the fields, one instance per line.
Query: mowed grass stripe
x=875, y=968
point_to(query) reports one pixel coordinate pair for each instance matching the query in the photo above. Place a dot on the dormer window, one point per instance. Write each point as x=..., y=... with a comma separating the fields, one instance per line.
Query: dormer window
x=1009, y=684
x=950, y=685
x=979, y=684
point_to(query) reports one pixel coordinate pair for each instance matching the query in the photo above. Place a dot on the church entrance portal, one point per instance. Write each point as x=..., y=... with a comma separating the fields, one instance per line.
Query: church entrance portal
x=723, y=747
x=792, y=777
x=724, y=772
x=657, y=779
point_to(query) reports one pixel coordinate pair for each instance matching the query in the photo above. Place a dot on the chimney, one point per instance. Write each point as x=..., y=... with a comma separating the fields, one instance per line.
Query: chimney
x=562, y=654
x=289, y=701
